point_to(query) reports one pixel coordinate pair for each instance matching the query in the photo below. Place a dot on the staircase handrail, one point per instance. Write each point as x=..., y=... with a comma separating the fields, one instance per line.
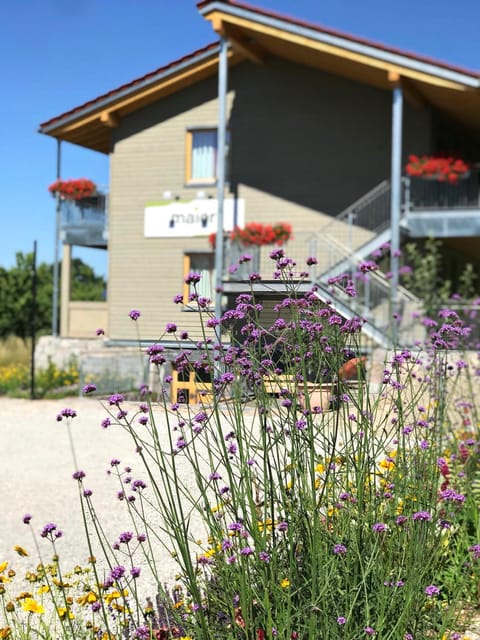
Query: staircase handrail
x=365, y=199
x=377, y=276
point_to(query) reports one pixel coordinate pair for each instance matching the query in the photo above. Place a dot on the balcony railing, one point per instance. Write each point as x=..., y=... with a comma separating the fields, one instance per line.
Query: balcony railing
x=84, y=222
x=443, y=209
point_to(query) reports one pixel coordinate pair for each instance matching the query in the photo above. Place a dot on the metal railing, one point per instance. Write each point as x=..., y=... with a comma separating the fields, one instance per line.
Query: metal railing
x=372, y=299
x=84, y=222
x=433, y=194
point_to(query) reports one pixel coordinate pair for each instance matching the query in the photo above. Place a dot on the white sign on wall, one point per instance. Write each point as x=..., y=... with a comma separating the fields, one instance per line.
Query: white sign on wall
x=193, y=218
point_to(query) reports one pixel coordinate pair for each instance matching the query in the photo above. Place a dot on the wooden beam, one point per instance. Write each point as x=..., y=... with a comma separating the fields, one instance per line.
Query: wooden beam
x=110, y=119
x=244, y=44
x=393, y=77
x=414, y=96
x=410, y=91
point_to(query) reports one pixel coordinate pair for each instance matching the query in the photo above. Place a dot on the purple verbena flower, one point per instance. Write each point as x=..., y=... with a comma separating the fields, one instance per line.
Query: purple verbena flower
x=66, y=413
x=125, y=537
x=193, y=277
x=89, y=388
x=246, y=551
x=339, y=549
x=432, y=590
x=134, y=314
x=78, y=475
x=117, y=573
x=422, y=515
x=49, y=528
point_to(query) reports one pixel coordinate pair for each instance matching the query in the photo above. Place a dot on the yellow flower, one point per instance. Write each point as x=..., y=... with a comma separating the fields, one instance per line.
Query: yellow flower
x=61, y=585
x=87, y=598
x=43, y=589
x=5, y=632
x=386, y=464
x=320, y=468
x=108, y=597
x=62, y=611
x=3, y=566
x=265, y=524
x=20, y=550
x=30, y=605
x=285, y=583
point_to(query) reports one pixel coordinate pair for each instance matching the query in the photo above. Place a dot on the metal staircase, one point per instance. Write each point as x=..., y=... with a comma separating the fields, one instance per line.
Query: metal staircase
x=347, y=241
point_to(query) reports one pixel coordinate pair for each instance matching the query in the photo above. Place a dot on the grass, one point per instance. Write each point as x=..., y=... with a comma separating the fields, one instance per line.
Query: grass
x=14, y=350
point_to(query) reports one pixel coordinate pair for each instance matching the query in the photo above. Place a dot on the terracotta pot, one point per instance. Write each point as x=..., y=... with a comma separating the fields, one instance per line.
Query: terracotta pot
x=319, y=395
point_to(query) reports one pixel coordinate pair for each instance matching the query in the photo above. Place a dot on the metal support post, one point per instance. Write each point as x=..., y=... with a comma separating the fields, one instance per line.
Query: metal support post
x=395, y=202
x=56, y=265
x=221, y=160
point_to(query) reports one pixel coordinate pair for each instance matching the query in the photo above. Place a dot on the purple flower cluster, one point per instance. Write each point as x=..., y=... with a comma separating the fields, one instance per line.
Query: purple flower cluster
x=50, y=531
x=340, y=549
x=89, y=388
x=66, y=413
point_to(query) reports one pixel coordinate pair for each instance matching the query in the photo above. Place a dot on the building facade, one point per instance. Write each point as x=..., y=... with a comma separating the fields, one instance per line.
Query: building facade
x=319, y=127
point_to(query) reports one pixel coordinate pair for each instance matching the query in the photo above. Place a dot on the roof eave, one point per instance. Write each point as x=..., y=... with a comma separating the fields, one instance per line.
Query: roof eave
x=388, y=56
x=109, y=101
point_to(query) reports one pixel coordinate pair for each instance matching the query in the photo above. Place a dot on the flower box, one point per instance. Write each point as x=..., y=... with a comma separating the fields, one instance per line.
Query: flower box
x=256, y=234
x=73, y=189
x=440, y=168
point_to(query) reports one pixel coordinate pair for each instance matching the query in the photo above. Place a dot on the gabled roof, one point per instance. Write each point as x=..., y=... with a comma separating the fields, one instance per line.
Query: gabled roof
x=90, y=123
x=256, y=34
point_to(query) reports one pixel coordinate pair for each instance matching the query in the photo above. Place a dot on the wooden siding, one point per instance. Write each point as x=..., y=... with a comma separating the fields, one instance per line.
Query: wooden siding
x=304, y=145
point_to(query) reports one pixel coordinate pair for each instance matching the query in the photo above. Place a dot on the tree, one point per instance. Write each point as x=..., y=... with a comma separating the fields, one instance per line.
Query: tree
x=16, y=297
x=86, y=285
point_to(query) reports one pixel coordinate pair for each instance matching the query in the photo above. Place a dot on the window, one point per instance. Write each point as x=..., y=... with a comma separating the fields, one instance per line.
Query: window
x=204, y=264
x=201, y=156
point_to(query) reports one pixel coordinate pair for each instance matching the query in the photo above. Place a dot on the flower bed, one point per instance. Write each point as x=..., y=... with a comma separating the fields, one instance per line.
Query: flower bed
x=284, y=520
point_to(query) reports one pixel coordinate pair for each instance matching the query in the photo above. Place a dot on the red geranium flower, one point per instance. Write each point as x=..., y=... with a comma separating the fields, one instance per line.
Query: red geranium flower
x=73, y=189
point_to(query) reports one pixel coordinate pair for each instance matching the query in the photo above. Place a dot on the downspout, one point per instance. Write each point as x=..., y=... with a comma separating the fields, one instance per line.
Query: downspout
x=221, y=140
x=395, y=203
x=56, y=265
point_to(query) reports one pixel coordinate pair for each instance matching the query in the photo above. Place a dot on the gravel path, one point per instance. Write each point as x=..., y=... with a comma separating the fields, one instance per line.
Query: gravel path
x=36, y=472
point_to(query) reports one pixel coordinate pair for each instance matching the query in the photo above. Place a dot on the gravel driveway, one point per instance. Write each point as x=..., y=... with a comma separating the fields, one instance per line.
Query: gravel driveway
x=37, y=467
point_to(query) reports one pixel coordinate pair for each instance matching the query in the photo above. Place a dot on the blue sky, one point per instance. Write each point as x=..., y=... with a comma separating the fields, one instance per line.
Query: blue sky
x=57, y=54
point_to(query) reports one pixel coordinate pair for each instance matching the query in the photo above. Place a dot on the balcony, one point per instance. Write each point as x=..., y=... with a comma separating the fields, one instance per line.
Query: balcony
x=442, y=209
x=84, y=222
